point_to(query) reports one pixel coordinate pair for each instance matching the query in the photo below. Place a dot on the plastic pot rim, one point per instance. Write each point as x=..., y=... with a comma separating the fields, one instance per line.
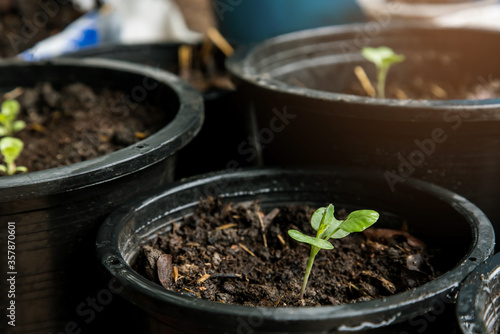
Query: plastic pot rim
x=241, y=67
x=118, y=47
x=108, y=252
x=100, y=52
x=422, y=10
x=157, y=147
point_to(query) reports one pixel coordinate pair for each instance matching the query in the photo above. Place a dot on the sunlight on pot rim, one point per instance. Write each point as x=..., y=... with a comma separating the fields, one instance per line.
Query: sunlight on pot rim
x=242, y=66
x=160, y=145
x=422, y=10
x=481, y=248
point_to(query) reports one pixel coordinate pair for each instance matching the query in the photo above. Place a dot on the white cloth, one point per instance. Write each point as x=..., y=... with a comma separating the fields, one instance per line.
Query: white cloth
x=148, y=21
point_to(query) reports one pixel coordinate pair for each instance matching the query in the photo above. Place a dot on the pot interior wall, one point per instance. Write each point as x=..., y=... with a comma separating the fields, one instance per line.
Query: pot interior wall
x=327, y=62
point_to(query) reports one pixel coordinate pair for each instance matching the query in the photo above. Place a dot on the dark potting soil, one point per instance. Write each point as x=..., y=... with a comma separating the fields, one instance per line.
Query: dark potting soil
x=23, y=23
x=419, y=88
x=219, y=254
x=78, y=123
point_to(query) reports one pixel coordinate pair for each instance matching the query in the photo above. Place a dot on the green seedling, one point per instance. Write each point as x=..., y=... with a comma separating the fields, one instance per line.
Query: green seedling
x=8, y=118
x=383, y=58
x=327, y=226
x=11, y=148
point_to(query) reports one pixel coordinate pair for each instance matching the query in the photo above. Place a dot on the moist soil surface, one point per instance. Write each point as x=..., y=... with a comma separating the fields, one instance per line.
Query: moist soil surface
x=23, y=23
x=78, y=123
x=419, y=88
x=219, y=254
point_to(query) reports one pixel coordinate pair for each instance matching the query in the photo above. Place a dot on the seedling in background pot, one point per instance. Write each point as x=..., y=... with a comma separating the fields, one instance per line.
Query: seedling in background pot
x=327, y=226
x=8, y=118
x=383, y=57
x=11, y=148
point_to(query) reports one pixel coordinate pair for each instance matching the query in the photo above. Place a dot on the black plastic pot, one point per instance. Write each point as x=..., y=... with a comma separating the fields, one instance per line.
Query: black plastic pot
x=216, y=146
x=478, y=302
x=57, y=211
x=453, y=143
x=437, y=216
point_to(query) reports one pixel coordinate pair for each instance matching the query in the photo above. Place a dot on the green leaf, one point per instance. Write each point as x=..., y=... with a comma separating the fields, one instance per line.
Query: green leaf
x=301, y=237
x=359, y=220
x=3, y=119
x=381, y=56
x=375, y=55
x=10, y=108
x=327, y=219
x=317, y=217
x=339, y=234
x=11, y=148
x=331, y=229
x=21, y=169
x=395, y=58
x=3, y=131
x=3, y=169
x=18, y=125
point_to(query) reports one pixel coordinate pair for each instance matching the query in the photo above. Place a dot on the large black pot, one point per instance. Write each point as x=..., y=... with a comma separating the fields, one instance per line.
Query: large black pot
x=57, y=211
x=216, y=146
x=453, y=143
x=478, y=302
x=441, y=218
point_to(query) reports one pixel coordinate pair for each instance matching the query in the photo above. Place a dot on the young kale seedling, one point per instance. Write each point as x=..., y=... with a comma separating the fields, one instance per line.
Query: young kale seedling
x=383, y=58
x=10, y=149
x=8, y=118
x=327, y=226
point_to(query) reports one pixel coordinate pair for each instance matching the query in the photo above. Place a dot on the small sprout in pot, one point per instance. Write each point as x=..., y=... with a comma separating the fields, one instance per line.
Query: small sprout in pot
x=11, y=148
x=8, y=118
x=383, y=57
x=327, y=226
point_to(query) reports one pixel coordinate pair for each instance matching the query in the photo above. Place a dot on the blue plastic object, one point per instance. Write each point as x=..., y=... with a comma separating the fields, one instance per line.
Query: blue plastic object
x=250, y=21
